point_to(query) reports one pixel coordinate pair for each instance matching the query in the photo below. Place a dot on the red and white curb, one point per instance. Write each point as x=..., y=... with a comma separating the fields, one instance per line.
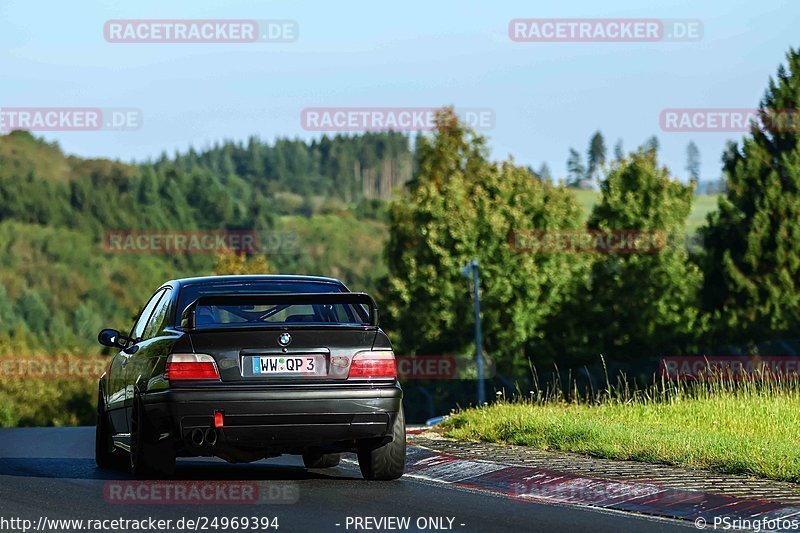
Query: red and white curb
x=550, y=486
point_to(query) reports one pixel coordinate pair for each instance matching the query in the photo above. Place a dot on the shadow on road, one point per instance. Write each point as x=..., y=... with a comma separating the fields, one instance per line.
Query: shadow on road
x=84, y=468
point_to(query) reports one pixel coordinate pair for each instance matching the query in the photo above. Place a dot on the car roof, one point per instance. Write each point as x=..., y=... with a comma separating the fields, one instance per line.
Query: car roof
x=260, y=277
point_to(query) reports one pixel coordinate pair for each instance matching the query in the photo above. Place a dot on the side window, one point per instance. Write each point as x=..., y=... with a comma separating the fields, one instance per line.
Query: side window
x=158, y=317
x=138, y=328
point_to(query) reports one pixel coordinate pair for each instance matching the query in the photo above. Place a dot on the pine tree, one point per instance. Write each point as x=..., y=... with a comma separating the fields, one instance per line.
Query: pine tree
x=576, y=172
x=544, y=172
x=8, y=316
x=34, y=311
x=255, y=165
x=595, y=155
x=619, y=153
x=651, y=145
x=693, y=162
x=752, y=266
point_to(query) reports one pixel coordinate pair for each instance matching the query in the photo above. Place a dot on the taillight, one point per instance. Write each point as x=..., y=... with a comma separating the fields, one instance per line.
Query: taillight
x=373, y=365
x=186, y=366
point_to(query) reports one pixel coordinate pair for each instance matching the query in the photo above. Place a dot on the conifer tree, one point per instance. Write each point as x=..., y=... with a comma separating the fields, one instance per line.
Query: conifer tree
x=752, y=266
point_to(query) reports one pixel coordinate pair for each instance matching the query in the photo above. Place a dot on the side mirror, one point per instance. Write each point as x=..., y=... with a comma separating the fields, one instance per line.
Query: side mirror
x=112, y=338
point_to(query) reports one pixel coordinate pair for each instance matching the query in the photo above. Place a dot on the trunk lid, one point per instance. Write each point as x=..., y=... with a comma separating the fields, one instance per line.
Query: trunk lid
x=242, y=352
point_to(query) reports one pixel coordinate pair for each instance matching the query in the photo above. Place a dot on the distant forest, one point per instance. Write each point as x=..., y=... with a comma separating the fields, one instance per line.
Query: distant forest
x=345, y=167
x=57, y=286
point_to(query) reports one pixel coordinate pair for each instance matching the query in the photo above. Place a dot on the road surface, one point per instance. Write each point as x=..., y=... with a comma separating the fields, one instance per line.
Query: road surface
x=49, y=474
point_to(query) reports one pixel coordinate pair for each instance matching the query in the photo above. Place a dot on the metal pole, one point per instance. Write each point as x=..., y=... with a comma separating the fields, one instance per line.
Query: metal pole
x=478, y=336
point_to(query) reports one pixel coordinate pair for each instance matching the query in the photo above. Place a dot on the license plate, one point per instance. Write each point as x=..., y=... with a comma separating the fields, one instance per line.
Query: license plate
x=282, y=364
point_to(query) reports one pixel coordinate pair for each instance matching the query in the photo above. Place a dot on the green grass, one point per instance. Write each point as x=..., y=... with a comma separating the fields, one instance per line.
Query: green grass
x=703, y=204
x=586, y=199
x=751, y=429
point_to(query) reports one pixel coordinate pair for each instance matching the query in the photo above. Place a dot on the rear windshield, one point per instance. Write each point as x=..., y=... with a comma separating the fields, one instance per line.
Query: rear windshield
x=192, y=291
x=254, y=315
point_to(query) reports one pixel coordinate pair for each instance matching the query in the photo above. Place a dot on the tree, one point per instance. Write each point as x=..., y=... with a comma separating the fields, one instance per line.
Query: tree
x=595, y=155
x=544, y=172
x=34, y=311
x=752, y=265
x=255, y=165
x=87, y=321
x=460, y=207
x=233, y=263
x=619, y=153
x=730, y=155
x=576, y=172
x=8, y=316
x=651, y=144
x=693, y=162
x=633, y=306
x=55, y=211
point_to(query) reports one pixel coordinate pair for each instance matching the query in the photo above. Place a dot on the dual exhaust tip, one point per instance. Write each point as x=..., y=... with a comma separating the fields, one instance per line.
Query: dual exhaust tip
x=201, y=437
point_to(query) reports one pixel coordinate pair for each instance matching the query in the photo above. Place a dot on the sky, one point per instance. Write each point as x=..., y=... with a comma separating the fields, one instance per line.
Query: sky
x=545, y=97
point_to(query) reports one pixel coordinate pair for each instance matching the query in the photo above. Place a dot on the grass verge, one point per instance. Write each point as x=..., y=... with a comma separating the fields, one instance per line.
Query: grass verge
x=739, y=429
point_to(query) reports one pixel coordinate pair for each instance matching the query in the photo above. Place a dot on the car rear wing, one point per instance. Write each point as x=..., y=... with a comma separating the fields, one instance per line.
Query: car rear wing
x=304, y=298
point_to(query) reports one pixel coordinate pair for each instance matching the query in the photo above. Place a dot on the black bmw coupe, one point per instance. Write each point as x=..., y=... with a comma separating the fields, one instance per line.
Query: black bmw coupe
x=248, y=367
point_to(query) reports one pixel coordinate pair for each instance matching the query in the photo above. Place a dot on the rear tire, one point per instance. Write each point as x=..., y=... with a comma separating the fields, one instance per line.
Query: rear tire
x=147, y=460
x=386, y=462
x=321, y=460
x=104, y=453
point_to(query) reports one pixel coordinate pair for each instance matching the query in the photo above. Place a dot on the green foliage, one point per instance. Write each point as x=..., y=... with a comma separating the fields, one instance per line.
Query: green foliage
x=576, y=171
x=59, y=287
x=8, y=316
x=460, y=206
x=544, y=173
x=451, y=205
x=595, y=156
x=619, y=152
x=336, y=245
x=693, y=162
x=346, y=167
x=752, y=266
x=705, y=424
x=34, y=310
x=632, y=305
x=47, y=402
x=232, y=263
x=651, y=145
x=57, y=284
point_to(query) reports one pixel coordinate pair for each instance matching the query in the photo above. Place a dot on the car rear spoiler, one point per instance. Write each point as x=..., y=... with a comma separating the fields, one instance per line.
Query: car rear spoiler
x=299, y=298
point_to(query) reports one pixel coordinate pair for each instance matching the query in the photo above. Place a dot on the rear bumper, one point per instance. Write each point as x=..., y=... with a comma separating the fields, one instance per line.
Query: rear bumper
x=277, y=419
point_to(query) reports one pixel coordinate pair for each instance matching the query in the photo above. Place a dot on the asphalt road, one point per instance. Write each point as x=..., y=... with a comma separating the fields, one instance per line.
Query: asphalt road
x=49, y=473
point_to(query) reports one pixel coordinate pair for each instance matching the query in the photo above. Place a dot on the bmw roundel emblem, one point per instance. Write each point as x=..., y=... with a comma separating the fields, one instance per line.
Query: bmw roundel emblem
x=284, y=339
